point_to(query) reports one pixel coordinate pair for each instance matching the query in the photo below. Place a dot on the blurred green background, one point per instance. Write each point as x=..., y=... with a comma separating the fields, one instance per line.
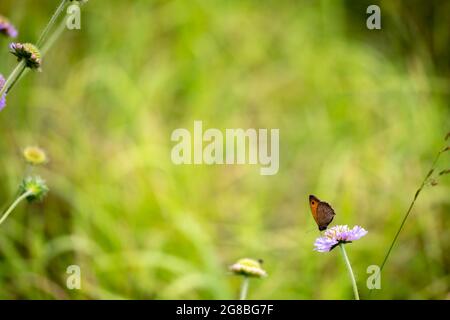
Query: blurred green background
x=361, y=115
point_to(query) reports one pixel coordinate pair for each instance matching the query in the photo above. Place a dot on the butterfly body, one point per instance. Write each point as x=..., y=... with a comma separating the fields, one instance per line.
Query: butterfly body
x=321, y=211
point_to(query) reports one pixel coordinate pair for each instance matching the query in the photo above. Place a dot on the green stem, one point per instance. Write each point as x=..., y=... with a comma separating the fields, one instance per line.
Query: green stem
x=350, y=271
x=14, y=205
x=11, y=80
x=244, y=288
x=14, y=81
x=50, y=24
x=413, y=202
x=59, y=30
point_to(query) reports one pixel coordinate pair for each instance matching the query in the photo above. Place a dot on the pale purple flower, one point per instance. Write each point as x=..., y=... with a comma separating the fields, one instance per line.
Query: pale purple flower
x=7, y=28
x=337, y=235
x=3, y=97
x=249, y=268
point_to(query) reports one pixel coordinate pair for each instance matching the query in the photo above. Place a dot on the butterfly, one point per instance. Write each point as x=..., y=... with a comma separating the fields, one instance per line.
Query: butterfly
x=322, y=212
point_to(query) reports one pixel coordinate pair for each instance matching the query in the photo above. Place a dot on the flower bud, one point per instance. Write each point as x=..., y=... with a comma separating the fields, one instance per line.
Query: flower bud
x=35, y=186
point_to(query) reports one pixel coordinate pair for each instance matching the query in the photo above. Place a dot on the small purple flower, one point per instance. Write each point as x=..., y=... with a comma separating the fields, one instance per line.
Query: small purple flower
x=29, y=52
x=3, y=97
x=6, y=28
x=337, y=235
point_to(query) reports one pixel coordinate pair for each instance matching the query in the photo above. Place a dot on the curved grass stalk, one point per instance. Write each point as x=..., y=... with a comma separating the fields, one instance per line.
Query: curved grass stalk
x=14, y=205
x=411, y=206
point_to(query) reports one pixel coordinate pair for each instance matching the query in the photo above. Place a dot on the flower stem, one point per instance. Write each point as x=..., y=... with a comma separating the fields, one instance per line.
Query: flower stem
x=350, y=271
x=15, y=74
x=244, y=288
x=55, y=35
x=50, y=24
x=14, y=205
x=16, y=78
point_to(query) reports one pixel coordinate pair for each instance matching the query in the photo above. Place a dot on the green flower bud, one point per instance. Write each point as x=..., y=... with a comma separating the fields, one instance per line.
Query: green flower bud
x=35, y=186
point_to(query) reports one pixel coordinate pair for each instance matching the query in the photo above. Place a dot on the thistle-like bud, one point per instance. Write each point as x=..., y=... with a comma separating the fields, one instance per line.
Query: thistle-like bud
x=28, y=52
x=35, y=187
x=248, y=268
x=35, y=156
x=3, y=97
x=6, y=28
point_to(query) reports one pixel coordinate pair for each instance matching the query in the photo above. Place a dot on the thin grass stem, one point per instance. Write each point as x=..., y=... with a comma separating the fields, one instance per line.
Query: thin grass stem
x=411, y=206
x=50, y=24
x=416, y=195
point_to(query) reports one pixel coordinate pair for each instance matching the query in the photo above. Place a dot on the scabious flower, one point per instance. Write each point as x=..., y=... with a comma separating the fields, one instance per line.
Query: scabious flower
x=6, y=28
x=35, y=187
x=248, y=268
x=337, y=235
x=35, y=156
x=28, y=52
x=3, y=97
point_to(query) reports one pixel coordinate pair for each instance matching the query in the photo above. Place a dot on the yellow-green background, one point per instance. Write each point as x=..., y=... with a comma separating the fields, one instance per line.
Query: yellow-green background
x=361, y=116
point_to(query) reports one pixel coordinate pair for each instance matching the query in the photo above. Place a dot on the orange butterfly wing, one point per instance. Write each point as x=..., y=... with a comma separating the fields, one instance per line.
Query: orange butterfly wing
x=313, y=204
x=322, y=212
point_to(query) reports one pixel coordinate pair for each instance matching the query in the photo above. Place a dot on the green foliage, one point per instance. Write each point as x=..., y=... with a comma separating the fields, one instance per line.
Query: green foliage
x=359, y=128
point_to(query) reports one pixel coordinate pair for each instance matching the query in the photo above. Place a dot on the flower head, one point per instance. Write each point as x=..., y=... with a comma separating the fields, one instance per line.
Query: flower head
x=29, y=52
x=35, y=155
x=3, y=97
x=6, y=28
x=337, y=235
x=35, y=186
x=249, y=268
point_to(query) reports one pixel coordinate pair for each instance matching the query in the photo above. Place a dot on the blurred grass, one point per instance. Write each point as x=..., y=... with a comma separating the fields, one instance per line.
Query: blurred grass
x=359, y=128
